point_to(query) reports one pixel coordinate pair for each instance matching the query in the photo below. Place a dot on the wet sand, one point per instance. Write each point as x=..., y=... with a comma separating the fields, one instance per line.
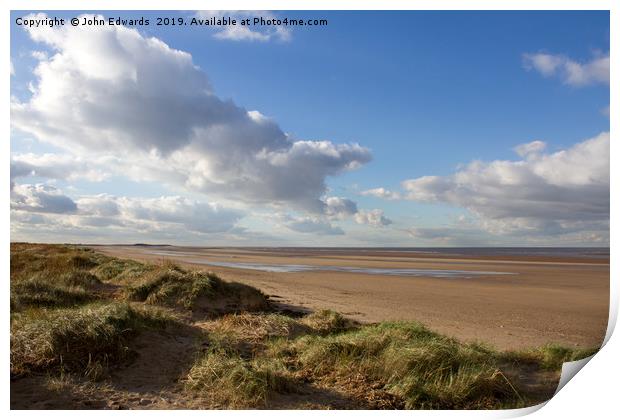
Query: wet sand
x=544, y=299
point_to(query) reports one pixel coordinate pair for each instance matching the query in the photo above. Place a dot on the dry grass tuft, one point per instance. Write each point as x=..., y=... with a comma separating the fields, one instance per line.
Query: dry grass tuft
x=256, y=328
x=327, y=322
x=234, y=382
x=121, y=271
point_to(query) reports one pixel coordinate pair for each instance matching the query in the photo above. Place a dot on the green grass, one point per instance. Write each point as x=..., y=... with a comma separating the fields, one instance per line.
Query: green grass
x=51, y=276
x=550, y=356
x=121, y=271
x=421, y=368
x=79, y=278
x=235, y=382
x=27, y=260
x=174, y=286
x=171, y=285
x=241, y=369
x=76, y=311
x=40, y=292
x=254, y=357
x=426, y=370
x=84, y=341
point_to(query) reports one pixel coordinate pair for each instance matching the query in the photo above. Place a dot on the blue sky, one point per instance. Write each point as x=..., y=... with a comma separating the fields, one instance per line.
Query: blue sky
x=426, y=93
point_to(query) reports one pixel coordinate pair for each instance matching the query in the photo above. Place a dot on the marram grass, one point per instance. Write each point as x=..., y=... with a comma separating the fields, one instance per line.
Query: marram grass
x=77, y=312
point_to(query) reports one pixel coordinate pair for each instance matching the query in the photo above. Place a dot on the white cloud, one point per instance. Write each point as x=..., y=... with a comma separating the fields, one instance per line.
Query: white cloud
x=56, y=166
x=25, y=218
x=41, y=198
x=556, y=193
x=382, y=193
x=39, y=55
x=193, y=215
x=146, y=111
x=426, y=188
x=339, y=207
x=131, y=213
x=101, y=205
x=372, y=217
x=309, y=224
x=530, y=149
x=571, y=72
x=246, y=33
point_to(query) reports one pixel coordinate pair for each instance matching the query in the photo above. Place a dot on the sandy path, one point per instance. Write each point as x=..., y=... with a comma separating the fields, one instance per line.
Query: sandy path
x=547, y=300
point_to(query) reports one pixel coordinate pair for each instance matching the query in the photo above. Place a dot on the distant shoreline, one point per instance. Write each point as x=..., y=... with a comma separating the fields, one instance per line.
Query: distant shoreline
x=543, y=251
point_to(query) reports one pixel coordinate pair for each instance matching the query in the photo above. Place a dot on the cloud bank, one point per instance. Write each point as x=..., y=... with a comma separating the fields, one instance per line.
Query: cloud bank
x=555, y=193
x=105, y=95
x=172, y=213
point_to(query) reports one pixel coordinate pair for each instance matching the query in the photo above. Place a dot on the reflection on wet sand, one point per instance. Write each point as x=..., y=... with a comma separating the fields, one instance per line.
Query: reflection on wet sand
x=296, y=268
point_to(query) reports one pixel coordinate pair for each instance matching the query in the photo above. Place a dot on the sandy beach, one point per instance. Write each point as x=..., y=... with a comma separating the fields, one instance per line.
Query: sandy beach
x=510, y=301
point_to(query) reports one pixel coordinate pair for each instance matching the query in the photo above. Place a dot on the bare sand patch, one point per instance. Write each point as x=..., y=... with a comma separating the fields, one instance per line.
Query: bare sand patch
x=549, y=299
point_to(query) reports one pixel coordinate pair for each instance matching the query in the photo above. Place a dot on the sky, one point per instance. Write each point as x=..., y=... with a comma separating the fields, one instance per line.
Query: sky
x=378, y=129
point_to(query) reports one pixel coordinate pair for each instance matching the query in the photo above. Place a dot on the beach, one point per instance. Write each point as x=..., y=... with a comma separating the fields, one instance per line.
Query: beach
x=509, y=299
x=293, y=328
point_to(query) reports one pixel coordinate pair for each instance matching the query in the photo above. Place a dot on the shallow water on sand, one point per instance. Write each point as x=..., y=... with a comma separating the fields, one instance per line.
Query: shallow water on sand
x=415, y=272
x=296, y=268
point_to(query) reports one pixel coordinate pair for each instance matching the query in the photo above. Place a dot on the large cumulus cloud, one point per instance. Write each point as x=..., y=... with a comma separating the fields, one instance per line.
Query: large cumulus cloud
x=112, y=92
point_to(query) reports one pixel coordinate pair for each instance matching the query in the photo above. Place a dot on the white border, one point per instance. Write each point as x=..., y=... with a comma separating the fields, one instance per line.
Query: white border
x=591, y=394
